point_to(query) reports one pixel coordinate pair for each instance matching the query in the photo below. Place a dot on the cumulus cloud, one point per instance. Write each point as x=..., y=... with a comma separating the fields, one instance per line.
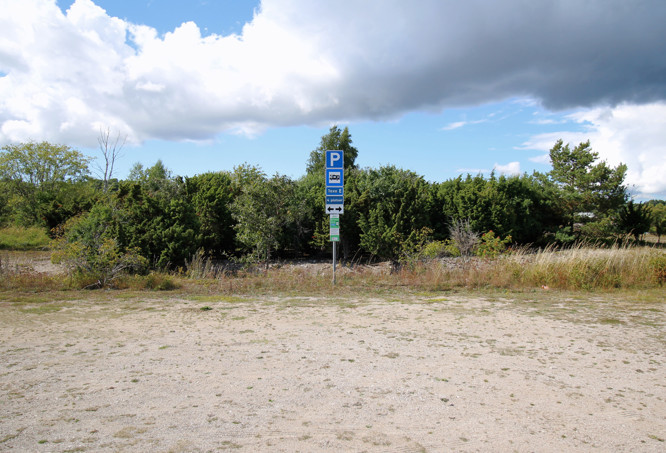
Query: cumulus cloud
x=631, y=134
x=512, y=168
x=304, y=62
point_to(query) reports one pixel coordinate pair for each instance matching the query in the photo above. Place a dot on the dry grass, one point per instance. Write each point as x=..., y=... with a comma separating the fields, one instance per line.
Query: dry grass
x=578, y=268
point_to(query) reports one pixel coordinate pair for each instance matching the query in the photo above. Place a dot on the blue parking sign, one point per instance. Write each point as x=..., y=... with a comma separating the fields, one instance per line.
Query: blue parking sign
x=334, y=159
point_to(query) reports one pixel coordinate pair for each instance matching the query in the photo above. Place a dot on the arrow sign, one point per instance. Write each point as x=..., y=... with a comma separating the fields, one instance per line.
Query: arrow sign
x=335, y=208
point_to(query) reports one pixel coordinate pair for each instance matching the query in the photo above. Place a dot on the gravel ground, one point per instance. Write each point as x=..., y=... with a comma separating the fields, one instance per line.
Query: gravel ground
x=458, y=373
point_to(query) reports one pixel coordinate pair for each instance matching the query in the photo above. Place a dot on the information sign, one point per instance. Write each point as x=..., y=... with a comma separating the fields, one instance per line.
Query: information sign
x=335, y=182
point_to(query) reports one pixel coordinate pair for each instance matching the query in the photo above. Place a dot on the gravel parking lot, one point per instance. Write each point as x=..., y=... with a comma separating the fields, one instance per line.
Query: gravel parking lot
x=451, y=373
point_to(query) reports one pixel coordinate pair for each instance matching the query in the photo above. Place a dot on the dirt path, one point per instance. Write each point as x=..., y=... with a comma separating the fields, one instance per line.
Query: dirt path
x=455, y=374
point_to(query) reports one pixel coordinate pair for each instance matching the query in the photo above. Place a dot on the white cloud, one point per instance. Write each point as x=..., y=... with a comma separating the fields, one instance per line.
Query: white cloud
x=459, y=124
x=512, y=168
x=304, y=62
x=454, y=125
x=631, y=134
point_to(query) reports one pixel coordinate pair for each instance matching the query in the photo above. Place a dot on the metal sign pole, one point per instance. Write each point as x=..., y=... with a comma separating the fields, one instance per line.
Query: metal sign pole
x=335, y=259
x=335, y=188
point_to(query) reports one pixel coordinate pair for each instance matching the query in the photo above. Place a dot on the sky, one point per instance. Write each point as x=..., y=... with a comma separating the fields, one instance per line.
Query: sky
x=439, y=87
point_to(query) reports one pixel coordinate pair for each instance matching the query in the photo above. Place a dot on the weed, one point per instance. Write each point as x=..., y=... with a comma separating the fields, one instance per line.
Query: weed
x=154, y=281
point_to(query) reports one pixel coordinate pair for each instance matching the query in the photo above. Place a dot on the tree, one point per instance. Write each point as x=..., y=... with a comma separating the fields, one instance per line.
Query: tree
x=262, y=211
x=516, y=206
x=658, y=217
x=588, y=191
x=635, y=219
x=211, y=195
x=111, y=149
x=336, y=139
x=36, y=173
x=393, y=205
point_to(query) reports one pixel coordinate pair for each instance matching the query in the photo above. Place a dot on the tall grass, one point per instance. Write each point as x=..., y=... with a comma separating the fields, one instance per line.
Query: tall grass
x=30, y=238
x=576, y=268
x=17, y=273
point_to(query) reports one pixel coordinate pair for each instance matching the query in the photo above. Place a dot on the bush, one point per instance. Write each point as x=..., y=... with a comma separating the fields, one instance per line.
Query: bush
x=492, y=246
x=90, y=253
x=463, y=237
x=440, y=249
x=97, y=266
x=158, y=282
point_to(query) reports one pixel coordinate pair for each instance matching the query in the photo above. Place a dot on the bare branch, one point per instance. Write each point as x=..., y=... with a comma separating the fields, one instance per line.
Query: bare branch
x=111, y=148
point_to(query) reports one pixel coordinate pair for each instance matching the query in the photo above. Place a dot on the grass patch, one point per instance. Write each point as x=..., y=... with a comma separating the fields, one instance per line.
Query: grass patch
x=18, y=238
x=42, y=309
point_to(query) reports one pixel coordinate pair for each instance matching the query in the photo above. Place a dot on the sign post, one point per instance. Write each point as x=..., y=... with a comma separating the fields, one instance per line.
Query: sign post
x=335, y=184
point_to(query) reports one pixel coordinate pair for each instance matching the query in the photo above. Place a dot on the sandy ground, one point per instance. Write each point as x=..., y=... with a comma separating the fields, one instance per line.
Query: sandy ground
x=419, y=374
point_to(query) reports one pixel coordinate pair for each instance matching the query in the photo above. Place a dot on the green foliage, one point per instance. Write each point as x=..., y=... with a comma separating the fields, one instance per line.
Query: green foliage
x=92, y=256
x=412, y=248
x=588, y=191
x=23, y=238
x=519, y=206
x=635, y=219
x=390, y=213
x=211, y=196
x=393, y=203
x=658, y=266
x=658, y=218
x=157, y=282
x=599, y=231
x=155, y=217
x=440, y=249
x=564, y=235
x=262, y=210
x=491, y=246
x=36, y=175
x=309, y=193
x=336, y=139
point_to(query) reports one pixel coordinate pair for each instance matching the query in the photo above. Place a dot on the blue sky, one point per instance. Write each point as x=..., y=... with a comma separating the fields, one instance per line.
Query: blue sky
x=438, y=88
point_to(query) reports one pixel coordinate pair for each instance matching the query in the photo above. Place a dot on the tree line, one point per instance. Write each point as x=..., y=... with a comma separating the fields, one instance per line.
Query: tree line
x=155, y=219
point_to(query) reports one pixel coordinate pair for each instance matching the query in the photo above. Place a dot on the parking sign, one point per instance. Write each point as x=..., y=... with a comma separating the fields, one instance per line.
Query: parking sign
x=335, y=181
x=334, y=159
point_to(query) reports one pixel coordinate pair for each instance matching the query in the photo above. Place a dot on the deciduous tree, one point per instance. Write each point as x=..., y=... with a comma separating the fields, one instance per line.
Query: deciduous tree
x=34, y=174
x=336, y=139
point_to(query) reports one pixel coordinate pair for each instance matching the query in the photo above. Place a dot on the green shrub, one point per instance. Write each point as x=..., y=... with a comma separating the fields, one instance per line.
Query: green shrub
x=158, y=282
x=92, y=257
x=439, y=249
x=491, y=246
